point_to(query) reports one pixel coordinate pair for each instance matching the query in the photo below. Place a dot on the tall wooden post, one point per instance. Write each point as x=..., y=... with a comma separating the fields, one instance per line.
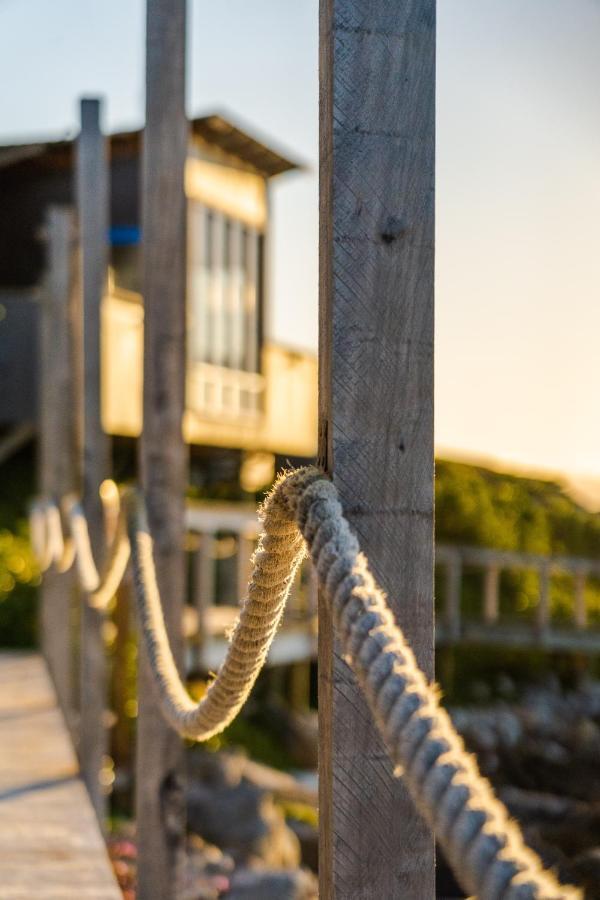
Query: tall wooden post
x=453, y=595
x=93, y=218
x=580, y=606
x=163, y=458
x=377, y=124
x=57, y=439
x=542, y=613
x=491, y=602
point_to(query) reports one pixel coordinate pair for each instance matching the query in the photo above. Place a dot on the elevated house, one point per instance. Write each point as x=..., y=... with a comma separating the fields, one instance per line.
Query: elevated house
x=241, y=387
x=250, y=402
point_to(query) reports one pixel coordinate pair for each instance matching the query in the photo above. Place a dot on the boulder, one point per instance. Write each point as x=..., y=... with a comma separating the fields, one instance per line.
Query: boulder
x=241, y=818
x=254, y=884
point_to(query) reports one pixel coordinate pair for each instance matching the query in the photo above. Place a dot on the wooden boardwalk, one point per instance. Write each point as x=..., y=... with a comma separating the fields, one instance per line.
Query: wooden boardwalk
x=51, y=847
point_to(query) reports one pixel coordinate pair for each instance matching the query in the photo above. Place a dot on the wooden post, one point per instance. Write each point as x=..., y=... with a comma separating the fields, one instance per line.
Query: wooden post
x=543, y=608
x=251, y=317
x=453, y=595
x=218, y=298
x=204, y=577
x=57, y=439
x=121, y=734
x=377, y=124
x=490, y=597
x=93, y=219
x=580, y=607
x=163, y=458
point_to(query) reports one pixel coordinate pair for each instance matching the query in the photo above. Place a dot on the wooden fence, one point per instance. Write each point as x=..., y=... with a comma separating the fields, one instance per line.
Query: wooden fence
x=377, y=164
x=537, y=626
x=377, y=125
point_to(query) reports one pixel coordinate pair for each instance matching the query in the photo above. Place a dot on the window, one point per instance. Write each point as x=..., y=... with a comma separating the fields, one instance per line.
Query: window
x=224, y=266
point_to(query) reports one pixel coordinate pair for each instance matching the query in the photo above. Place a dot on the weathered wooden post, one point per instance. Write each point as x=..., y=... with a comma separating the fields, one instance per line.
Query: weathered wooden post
x=163, y=459
x=57, y=438
x=542, y=613
x=453, y=595
x=377, y=147
x=204, y=578
x=580, y=606
x=491, y=605
x=92, y=185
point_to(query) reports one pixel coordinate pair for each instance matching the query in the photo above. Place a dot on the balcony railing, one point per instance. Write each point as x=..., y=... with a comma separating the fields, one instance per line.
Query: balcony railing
x=216, y=392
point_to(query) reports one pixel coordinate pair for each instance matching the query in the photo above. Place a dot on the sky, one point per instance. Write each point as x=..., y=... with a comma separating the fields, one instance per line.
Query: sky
x=517, y=185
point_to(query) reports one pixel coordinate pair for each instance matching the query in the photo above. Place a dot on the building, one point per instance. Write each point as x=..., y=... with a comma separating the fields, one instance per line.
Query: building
x=244, y=393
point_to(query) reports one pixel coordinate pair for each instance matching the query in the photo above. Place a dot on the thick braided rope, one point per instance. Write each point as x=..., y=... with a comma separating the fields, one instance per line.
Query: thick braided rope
x=99, y=587
x=115, y=565
x=484, y=847
x=280, y=551
x=50, y=546
x=89, y=577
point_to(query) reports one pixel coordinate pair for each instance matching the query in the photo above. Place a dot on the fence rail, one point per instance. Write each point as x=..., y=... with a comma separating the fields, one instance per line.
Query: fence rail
x=544, y=629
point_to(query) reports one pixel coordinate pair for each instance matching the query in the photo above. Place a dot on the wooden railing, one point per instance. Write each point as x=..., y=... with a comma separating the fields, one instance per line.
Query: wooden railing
x=224, y=535
x=217, y=392
x=543, y=629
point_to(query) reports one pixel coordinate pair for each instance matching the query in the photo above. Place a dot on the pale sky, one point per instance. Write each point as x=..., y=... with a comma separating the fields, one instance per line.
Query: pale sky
x=518, y=184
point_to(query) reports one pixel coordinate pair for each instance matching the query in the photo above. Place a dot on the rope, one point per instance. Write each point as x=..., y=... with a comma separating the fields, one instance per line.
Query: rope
x=51, y=547
x=275, y=562
x=482, y=844
x=115, y=566
x=84, y=557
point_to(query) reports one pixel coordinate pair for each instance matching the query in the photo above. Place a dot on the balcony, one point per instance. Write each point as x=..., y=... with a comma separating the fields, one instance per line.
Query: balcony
x=273, y=410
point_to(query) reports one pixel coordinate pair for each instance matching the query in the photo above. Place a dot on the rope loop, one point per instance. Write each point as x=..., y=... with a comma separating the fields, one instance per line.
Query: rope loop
x=53, y=548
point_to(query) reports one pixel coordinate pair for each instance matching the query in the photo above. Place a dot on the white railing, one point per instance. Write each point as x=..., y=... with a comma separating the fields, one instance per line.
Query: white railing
x=543, y=629
x=216, y=392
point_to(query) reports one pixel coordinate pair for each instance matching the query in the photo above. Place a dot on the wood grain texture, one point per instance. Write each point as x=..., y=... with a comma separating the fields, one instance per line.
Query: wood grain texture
x=377, y=148
x=93, y=219
x=57, y=447
x=52, y=848
x=163, y=456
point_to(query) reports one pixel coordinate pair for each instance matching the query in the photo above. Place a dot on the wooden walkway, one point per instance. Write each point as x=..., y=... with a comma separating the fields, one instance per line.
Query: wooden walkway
x=51, y=847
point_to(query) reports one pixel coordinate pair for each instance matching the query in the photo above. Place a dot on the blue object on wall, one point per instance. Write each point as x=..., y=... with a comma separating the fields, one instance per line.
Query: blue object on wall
x=124, y=235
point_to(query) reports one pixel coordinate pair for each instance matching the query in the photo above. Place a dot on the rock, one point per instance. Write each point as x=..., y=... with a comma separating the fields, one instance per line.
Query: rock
x=541, y=753
x=226, y=809
x=252, y=884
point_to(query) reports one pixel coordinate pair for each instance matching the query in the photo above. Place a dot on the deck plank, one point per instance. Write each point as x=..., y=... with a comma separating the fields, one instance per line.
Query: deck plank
x=51, y=847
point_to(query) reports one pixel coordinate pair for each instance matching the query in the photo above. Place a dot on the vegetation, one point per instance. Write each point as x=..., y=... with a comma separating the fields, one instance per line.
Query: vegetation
x=478, y=507
x=19, y=575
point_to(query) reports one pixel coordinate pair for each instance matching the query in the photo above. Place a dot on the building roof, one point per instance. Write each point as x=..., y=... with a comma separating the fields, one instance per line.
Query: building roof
x=214, y=129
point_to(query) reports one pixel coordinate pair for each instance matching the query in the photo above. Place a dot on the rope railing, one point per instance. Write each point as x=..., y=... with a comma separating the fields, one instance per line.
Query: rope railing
x=49, y=544
x=302, y=513
x=52, y=547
